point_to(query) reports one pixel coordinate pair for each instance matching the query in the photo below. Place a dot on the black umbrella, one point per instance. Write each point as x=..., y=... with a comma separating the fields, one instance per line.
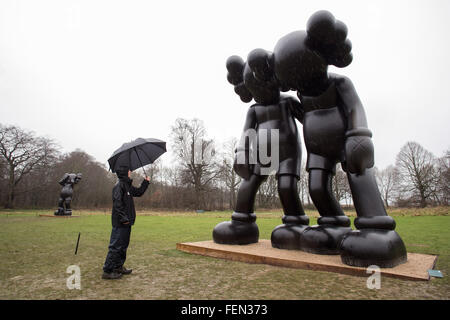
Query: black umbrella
x=137, y=153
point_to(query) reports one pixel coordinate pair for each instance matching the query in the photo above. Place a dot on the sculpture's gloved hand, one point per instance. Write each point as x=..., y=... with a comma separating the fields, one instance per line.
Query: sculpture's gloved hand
x=359, y=154
x=241, y=165
x=78, y=177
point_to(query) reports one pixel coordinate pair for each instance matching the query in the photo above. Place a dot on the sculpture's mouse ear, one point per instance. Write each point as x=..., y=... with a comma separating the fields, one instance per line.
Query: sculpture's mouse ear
x=235, y=67
x=328, y=37
x=261, y=64
x=243, y=92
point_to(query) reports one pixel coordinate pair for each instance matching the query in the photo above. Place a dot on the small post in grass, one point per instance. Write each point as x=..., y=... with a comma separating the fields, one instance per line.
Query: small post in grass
x=78, y=241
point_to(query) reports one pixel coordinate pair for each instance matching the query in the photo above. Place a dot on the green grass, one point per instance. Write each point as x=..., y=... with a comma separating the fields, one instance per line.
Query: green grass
x=35, y=252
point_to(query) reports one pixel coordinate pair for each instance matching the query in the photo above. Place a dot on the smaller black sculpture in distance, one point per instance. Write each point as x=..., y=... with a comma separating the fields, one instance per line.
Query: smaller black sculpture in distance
x=65, y=197
x=335, y=130
x=271, y=114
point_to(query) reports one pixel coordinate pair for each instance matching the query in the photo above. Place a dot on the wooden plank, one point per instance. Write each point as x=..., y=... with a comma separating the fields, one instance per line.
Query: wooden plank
x=416, y=268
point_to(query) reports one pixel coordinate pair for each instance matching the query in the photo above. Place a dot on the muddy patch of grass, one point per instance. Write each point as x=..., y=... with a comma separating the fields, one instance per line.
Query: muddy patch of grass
x=35, y=253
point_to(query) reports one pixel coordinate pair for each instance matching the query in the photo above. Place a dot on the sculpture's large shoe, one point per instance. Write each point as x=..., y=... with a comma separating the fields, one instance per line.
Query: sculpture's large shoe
x=323, y=239
x=242, y=229
x=383, y=248
x=326, y=237
x=287, y=235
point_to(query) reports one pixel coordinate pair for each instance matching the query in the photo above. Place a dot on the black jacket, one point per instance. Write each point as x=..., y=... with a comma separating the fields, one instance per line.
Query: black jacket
x=123, y=204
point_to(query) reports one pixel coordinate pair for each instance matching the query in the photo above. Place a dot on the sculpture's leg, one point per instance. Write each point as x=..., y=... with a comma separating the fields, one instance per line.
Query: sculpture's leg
x=333, y=224
x=287, y=235
x=376, y=242
x=242, y=228
x=68, y=211
x=60, y=210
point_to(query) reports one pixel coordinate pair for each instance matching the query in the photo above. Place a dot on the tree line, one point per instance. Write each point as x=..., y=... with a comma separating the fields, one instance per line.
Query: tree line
x=201, y=179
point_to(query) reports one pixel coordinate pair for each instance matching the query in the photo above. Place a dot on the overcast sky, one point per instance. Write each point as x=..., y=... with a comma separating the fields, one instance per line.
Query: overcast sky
x=94, y=74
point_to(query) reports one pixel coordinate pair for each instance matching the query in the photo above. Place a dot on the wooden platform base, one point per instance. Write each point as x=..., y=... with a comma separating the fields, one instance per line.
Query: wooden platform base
x=53, y=216
x=416, y=268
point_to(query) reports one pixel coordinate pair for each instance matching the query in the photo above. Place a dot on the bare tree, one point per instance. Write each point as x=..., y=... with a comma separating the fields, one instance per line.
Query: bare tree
x=267, y=195
x=23, y=152
x=443, y=181
x=387, y=180
x=341, y=188
x=196, y=156
x=229, y=176
x=3, y=175
x=303, y=185
x=417, y=172
x=171, y=191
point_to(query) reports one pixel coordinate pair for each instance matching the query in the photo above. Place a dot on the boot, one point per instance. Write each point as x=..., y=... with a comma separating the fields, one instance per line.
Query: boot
x=375, y=243
x=59, y=212
x=287, y=235
x=111, y=275
x=242, y=229
x=325, y=238
x=123, y=270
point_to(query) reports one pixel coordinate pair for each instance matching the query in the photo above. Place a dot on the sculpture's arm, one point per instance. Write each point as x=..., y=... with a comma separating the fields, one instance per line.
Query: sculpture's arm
x=63, y=179
x=353, y=108
x=359, y=150
x=242, y=164
x=296, y=108
x=250, y=123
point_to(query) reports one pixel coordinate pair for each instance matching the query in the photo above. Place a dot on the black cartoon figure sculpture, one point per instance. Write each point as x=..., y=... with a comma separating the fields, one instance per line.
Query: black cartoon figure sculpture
x=65, y=197
x=335, y=130
x=271, y=113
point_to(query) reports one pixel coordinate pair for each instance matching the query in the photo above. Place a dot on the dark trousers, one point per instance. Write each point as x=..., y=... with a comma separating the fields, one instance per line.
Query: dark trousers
x=118, y=245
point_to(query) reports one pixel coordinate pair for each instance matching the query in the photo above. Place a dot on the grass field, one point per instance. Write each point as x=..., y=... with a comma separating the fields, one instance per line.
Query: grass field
x=35, y=252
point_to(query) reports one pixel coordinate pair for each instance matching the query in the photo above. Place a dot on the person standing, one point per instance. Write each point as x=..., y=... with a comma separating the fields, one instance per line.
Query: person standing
x=123, y=217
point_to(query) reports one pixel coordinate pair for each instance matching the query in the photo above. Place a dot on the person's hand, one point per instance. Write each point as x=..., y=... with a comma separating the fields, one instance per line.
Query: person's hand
x=128, y=222
x=359, y=154
x=147, y=178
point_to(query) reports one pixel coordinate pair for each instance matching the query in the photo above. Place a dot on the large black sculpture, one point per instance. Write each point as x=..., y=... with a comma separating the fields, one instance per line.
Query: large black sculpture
x=65, y=197
x=335, y=130
x=272, y=111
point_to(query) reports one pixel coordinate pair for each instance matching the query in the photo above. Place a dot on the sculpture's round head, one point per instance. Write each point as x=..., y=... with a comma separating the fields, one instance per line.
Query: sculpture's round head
x=71, y=179
x=254, y=79
x=301, y=58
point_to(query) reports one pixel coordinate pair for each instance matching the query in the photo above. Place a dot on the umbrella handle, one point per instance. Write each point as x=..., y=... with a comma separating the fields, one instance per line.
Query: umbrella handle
x=140, y=160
